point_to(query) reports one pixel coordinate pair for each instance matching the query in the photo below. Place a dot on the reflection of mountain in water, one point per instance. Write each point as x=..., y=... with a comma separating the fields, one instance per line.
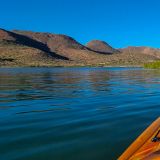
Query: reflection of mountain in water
x=98, y=80
x=50, y=83
x=138, y=76
x=68, y=83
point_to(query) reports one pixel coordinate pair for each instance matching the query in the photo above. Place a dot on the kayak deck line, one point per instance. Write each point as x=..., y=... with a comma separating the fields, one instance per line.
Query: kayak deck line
x=146, y=146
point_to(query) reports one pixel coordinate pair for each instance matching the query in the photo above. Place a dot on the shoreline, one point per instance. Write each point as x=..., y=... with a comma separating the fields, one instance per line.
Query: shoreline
x=77, y=66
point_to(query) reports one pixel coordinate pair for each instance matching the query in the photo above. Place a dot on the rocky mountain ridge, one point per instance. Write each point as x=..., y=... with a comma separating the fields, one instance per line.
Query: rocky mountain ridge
x=26, y=48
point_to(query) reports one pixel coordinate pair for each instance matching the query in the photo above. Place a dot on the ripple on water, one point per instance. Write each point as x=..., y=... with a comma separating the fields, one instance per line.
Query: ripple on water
x=74, y=113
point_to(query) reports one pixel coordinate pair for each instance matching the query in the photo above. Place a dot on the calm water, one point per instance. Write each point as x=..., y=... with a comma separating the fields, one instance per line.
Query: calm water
x=74, y=113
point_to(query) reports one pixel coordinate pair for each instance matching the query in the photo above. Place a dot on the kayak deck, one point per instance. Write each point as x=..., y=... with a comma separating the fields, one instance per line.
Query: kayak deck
x=146, y=146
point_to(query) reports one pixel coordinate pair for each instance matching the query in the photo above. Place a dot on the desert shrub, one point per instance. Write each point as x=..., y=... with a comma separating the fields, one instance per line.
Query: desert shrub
x=152, y=65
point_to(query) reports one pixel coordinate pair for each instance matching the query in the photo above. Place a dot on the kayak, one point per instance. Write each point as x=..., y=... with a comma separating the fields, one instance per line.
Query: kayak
x=146, y=146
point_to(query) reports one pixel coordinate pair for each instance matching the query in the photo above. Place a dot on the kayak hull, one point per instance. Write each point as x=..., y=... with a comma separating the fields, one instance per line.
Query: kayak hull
x=144, y=147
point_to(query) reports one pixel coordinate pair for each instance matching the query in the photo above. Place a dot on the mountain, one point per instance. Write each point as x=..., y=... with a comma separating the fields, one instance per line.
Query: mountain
x=34, y=48
x=142, y=50
x=101, y=47
x=27, y=48
x=54, y=42
x=63, y=45
x=19, y=50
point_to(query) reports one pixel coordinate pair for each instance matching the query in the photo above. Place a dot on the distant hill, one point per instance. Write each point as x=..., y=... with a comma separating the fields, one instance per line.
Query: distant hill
x=142, y=50
x=26, y=48
x=101, y=47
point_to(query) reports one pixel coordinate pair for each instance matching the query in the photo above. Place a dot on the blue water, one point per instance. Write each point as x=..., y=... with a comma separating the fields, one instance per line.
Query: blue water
x=74, y=113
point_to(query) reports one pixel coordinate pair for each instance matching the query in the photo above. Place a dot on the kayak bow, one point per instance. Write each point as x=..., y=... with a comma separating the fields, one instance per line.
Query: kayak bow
x=146, y=146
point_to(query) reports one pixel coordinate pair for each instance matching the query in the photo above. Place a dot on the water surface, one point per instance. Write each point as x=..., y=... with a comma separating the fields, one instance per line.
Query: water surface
x=74, y=113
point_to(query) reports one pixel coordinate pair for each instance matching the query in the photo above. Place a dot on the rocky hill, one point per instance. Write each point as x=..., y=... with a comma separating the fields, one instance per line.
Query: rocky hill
x=24, y=48
x=63, y=45
x=54, y=42
x=142, y=50
x=101, y=47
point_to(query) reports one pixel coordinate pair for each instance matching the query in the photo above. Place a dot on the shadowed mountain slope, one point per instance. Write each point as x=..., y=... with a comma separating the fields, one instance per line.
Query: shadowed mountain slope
x=53, y=41
x=11, y=37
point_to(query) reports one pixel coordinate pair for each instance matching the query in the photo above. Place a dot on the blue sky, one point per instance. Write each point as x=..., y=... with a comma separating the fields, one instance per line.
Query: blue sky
x=121, y=23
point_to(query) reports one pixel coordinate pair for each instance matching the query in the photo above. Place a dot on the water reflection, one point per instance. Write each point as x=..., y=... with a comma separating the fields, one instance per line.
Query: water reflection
x=50, y=83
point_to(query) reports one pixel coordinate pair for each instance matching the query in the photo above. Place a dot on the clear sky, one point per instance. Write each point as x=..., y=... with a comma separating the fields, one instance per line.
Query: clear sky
x=121, y=23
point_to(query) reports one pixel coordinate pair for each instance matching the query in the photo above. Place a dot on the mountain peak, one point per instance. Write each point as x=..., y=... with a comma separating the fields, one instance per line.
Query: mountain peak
x=101, y=46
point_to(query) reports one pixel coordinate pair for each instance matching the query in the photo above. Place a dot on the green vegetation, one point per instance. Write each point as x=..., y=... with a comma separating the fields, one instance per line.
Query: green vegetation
x=153, y=65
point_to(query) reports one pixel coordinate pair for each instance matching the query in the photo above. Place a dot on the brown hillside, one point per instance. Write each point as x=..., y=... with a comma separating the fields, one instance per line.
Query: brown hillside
x=54, y=42
x=101, y=47
x=18, y=50
x=142, y=50
x=4, y=35
x=18, y=39
x=64, y=46
x=21, y=48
